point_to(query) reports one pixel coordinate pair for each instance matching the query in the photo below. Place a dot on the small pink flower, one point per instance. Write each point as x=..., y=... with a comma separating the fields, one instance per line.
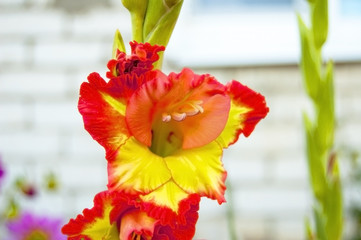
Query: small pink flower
x=32, y=227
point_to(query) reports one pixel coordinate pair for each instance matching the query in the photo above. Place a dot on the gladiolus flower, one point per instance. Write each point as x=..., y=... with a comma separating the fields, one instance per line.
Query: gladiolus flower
x=164, y=135
x=32, y=227
x=118, y=216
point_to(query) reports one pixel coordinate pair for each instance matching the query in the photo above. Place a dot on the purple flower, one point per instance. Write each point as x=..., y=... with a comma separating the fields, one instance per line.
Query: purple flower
x=32, y=227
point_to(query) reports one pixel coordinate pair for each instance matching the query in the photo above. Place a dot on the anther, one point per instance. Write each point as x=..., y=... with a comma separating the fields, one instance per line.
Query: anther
x=166, y=117
x=179, y=116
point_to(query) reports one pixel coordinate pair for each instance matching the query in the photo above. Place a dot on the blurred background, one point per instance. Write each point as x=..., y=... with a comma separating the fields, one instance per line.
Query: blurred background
x=48, y=47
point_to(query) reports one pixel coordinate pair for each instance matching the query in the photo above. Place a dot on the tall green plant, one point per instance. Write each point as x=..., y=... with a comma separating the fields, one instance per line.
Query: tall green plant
x=322, y=159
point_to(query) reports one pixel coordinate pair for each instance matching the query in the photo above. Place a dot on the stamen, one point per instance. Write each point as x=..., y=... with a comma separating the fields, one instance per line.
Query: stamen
x=179, y=116
x=179, y=113
x=166, y=117
x=198, y=106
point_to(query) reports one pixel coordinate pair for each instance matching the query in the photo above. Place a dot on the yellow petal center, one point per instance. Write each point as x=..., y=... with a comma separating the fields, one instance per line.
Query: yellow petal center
x=166, y=139
x=36, y=235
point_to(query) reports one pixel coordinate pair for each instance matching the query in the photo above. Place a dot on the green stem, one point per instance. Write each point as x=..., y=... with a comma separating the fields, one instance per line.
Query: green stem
x=230, y=213
x=137, y=27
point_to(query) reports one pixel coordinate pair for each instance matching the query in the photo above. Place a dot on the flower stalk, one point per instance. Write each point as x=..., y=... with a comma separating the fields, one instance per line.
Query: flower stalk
x=322, y=159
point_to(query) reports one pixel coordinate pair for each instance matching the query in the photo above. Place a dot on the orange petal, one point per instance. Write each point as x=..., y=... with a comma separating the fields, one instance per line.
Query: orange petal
x=205, y=127
x=197, y=105
x=141, y=108
x=136, y=224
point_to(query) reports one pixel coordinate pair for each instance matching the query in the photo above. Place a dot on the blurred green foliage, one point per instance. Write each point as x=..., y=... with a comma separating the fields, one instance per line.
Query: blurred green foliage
x=322, y=159
x=355, y=185
x=23, y=189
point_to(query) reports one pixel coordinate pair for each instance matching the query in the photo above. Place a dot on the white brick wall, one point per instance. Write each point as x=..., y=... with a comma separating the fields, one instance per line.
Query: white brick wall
x=45, y=54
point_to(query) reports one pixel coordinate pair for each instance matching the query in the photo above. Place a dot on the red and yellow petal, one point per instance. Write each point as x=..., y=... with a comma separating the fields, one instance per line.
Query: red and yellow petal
x=103, y=114
x=182, y=226
x=156, y=205
x=247, y=109
x=116, y=215
x=94, y=223
x=135, y=169
x=165, y=182
x=169, y=195
x=199, y=171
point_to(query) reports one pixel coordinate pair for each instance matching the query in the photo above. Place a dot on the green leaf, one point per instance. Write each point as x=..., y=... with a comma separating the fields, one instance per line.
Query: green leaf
x=326, y=111
x=333, y=205
x=320, y=224
x=315, y=161
x=118, y=43
x=319, y=18
x=309, y=233
x=310, y=63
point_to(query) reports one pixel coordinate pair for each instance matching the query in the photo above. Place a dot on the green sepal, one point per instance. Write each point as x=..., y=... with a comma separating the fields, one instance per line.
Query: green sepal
x=158, y=13
x=137, y=9
x=155, y=11
x=315, y=163
x=162, y=31
x=310, y=64
x=319, y=18
x=118, y=44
